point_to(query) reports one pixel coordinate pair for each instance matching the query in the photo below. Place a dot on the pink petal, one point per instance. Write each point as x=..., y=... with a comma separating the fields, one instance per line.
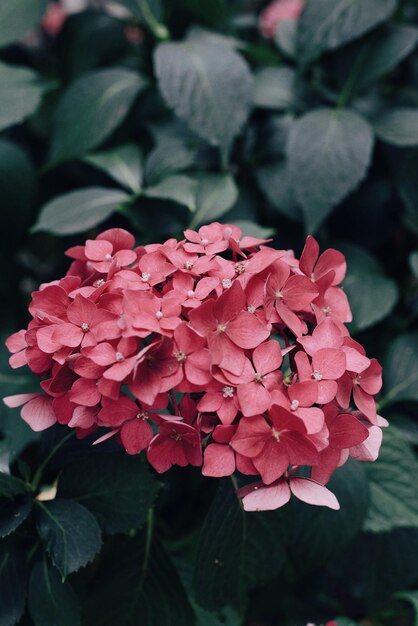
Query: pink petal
x=330, y=362
x=249, y=439
x=309, y=256
x=14, y=401
x=313, y=493
x=259, y=497
x=253, y=398
x=97, y=250
x=247, y=331
x=267, y=357
x=136, y=435
x=38, y=413
x=219, y=460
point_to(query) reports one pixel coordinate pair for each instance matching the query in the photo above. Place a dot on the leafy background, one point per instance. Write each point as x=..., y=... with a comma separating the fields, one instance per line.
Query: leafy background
x=156, y=116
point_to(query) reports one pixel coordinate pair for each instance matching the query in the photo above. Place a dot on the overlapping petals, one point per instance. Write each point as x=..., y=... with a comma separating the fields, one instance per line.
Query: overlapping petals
x=216, y=351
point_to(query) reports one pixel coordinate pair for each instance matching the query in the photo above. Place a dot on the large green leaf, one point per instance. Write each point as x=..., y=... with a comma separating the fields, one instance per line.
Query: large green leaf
x=208, y=86
x=17, y=17
x=218, y=575
x=264, y=553
x=180, y=189
x=329, y=24
x=21, y=93
x=13, y=513
x=71, y=534
x=371, y=294
x=119, y=490
x=401, y=370
x=328, y=153
x=215, y=195
x=407, y=183
x=393, y=494
x=52, y=602
x=273, y=180
x=123, y=164
x=10, y=486
x=18, y=186
x=77, y=211
x=314, y=535
x=144, y=589
x=13, y=575
x=275, y=88
x=398, y=127
x=91, y=109
x=148, y=12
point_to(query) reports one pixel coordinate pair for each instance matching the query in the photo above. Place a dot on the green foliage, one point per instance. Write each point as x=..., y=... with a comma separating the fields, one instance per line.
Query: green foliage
x=17, y=18
x=52, y=602
x=22, y=94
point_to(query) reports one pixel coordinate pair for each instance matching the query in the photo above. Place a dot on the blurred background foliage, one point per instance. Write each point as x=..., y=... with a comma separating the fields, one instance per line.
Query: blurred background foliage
x=159, y=115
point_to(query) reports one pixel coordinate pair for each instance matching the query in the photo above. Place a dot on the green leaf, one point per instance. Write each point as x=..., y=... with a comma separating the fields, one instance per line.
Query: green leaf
x=51, y=601
x=398, y=127
x=273, y=180
x=286, y=37
x=10, y=486
x=329, y=152
x=393, y=494
x=215, y=195
x=329, y=24
x=314, y=535
x=71, y=534
x=77, y=211
x=412, y=598
x=119, y=490
x=180, y=189
x=18, y=187
x=21, y=93
x=254, y=230
x=218, y=574
x=385, y=51
x=123, y=164
x=274, y=88
x=401, y=370
x=18, y=17
x=264, y=553
x=208, y=86
x=407, y=183
x=371, y=294
x=146, y=589
x=413, y=263
x=13, y=513
x=170, y=155
x=91, y=109
x=13, y=575
x=148, y=12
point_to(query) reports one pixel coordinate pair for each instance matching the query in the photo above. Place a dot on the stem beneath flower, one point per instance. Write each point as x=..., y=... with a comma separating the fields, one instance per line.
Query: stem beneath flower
x=38, y=475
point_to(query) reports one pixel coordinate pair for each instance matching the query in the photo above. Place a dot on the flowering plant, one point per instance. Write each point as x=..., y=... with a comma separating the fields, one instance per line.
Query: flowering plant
x=252, y=339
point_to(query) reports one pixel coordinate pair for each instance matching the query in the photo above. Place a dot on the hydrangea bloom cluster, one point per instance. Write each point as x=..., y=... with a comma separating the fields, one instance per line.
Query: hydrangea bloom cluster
x=215, y=351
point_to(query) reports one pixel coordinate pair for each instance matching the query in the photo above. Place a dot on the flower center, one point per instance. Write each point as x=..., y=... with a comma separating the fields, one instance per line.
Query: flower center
x=176, y=437
x=295, y=405
x=205, y=242
x=188, y=265
x=85, y=327
x=279, y=295
x=119, y=356
x=276, y=434
x=228, y=392
x=190, y=293
x=327, y=310
x=180, y=356
x=226, y=283
x=145, y=276
x=240, y=268
x=99, y=282
x=221, y=328
x=158, y=315
x=251, y=308
x=316, y=374
x=141, y=415
x=258, y=378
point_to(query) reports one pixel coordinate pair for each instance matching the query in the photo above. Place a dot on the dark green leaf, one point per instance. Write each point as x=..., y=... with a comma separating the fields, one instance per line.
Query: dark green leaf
x=146, y=589
x=407, y=182
x=148, y=12
x=17, y=189
x=71, y=534
x=171, y=155
x=393, y=495
x=13, y=513
x=412, y=598
x=398, y=127
x=51, y=601
x=383, y=53
x=91, y=109
x=254, y=230
x=219, y=562
x=118, y=489
x=208, y=86
x=17, y=17
x=13, y=575
x=314, y=535
x=264, y=553
x=329, y=24
x=413, y=263
x=371, y=294
x=123, y=164
x=180, y=189
x=215, y=195
x=273, y=180
x=286, y=37
x=21, y=93
x=329, y=153
x=77, y=211
x=274, y=88
x=11, y=486
x=401, y=370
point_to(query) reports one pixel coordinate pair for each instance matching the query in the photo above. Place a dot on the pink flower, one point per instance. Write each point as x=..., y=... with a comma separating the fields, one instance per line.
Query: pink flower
x=175, y=444
x=277, y=12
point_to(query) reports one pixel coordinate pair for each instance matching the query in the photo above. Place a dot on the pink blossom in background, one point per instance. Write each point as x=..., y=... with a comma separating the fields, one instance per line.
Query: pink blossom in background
x=216, y=351
x=53, y=19
x=277, y=12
